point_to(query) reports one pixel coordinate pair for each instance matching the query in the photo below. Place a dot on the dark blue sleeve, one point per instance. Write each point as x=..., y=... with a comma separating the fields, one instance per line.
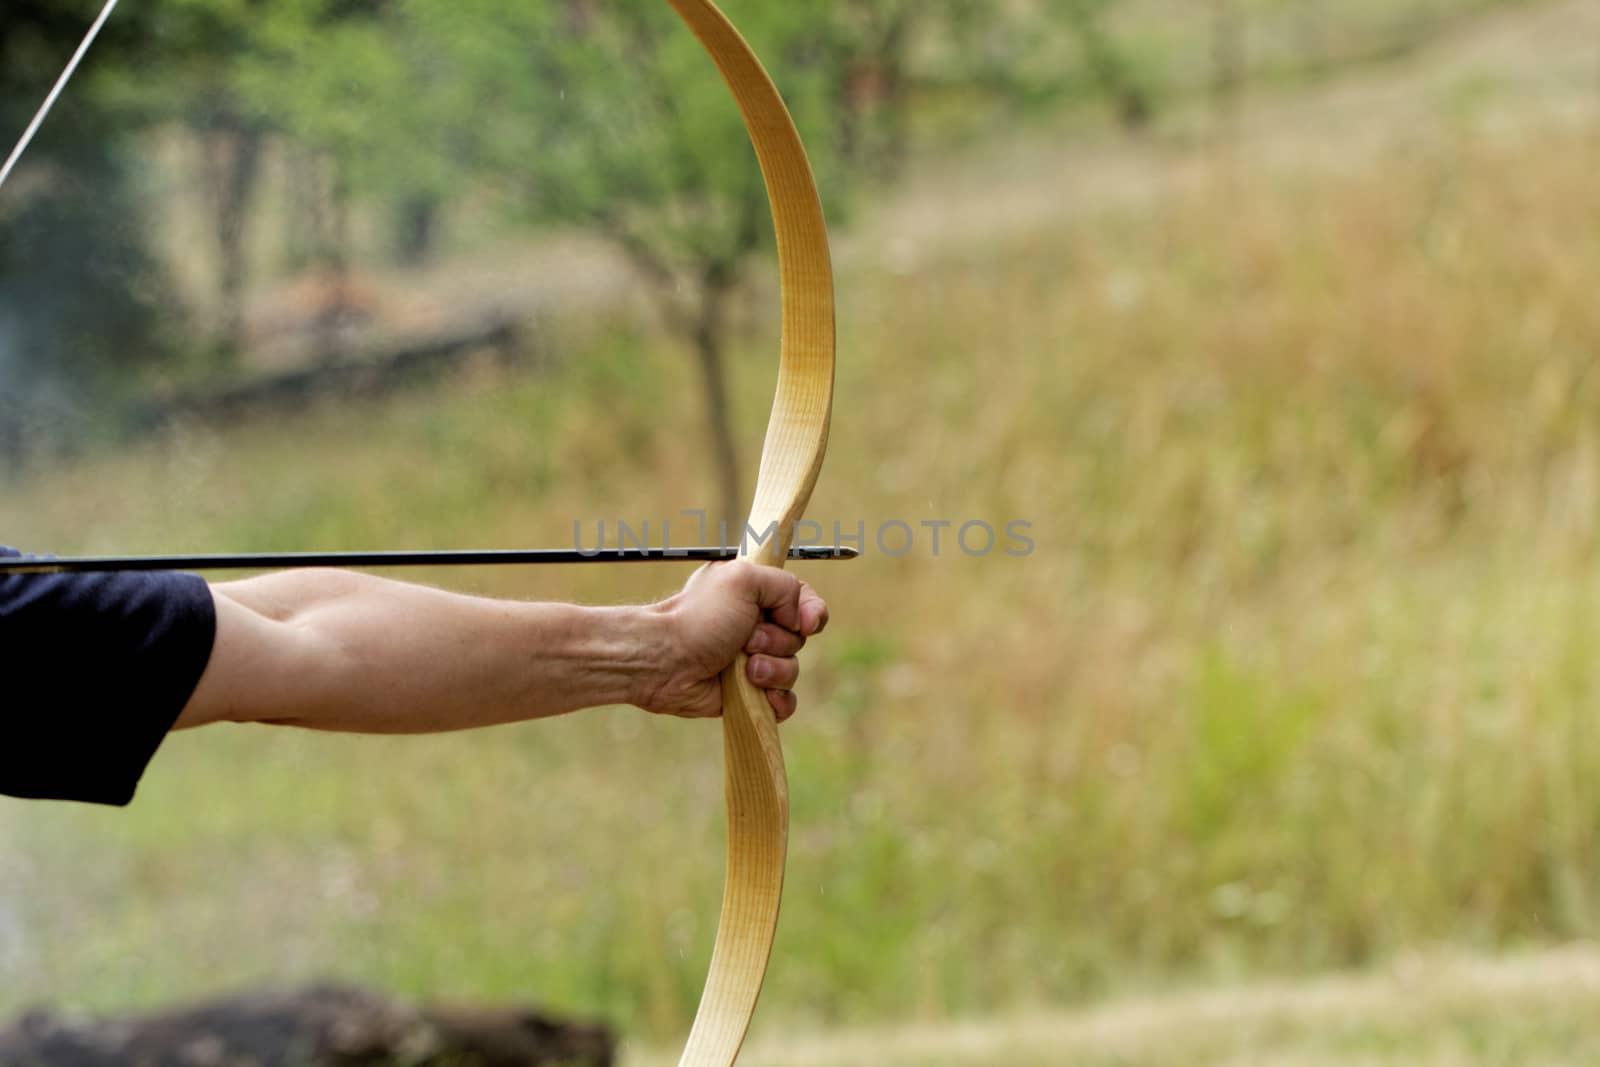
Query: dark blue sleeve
x=98, y=668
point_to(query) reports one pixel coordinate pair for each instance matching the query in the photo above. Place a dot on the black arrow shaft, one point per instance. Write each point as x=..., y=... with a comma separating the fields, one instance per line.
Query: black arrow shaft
x=456, y=558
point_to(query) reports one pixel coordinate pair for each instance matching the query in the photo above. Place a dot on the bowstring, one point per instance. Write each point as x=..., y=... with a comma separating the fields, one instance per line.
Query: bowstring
x=55, y=92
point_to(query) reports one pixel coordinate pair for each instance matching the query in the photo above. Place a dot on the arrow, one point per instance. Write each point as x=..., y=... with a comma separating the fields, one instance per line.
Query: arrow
x=493, y=557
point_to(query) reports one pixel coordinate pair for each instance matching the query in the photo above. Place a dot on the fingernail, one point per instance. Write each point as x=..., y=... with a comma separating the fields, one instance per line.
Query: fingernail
x=762, y=671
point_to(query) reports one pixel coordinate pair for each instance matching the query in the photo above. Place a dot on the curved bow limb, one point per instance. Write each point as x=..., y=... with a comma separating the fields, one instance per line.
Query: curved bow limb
x=797, y=439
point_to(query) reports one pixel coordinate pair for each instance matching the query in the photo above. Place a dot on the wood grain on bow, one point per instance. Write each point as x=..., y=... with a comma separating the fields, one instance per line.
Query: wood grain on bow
x=797, y=437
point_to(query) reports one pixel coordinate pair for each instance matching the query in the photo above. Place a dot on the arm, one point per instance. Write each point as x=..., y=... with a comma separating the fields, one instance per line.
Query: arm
x=333, y=650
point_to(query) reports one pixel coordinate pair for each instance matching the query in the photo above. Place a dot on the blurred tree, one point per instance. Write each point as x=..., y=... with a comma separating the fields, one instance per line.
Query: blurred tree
x=636, y=137
x=212, y=50
x=189, y=43
x=363, y=85
x=891, y=53
x=1227, y=56
x=612, y=118
x=82, y=301
x=1030, y=55
x=608, y=117
x=1109, y=65
x=872, y=93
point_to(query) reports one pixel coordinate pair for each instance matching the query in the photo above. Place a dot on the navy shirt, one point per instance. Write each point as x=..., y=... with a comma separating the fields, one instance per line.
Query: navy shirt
x=99, y=667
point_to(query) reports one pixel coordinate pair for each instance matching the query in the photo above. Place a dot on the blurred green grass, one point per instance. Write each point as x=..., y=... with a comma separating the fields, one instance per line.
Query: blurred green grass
x=1301, y=675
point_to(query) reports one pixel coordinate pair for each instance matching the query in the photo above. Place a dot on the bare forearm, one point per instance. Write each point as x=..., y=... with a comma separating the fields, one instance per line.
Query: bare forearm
x=341, y=651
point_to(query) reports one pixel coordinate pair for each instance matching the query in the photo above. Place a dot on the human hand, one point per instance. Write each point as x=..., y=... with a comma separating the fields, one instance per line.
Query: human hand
x=725, y=609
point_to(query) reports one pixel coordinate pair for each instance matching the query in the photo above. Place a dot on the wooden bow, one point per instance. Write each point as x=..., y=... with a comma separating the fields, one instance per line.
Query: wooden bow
x=797, y=438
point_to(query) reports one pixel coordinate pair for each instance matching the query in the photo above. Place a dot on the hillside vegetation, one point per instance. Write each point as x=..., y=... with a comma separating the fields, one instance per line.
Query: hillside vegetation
x=1302, y=672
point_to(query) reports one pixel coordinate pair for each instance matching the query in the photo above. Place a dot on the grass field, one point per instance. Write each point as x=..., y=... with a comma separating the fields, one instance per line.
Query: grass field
x=1525, y=1010
x=1301, y=676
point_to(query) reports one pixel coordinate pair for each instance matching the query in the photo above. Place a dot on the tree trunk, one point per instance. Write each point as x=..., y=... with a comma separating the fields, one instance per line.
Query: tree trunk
x=1110, y=68
x=235, y=158
x=416, y=230
x=708, y=342
x=896, y=104
x=306, y=222
x=1227, y=57
x=334, y=318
